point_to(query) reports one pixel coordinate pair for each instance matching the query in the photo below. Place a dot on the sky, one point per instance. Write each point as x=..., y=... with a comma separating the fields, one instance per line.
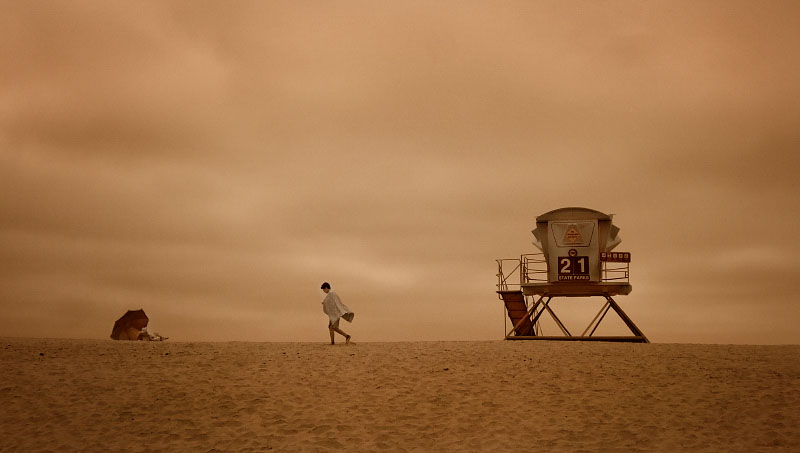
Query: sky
x=214, y=162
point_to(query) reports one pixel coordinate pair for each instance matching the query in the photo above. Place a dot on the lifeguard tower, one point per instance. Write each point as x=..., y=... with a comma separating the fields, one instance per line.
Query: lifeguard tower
x=576, y=260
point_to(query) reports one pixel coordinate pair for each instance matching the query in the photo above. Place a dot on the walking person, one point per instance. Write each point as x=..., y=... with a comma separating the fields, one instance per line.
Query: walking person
x=333, y=307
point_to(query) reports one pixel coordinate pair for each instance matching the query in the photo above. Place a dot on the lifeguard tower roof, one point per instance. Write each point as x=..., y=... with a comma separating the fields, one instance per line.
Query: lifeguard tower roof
x=589, y=230
x=572, y=213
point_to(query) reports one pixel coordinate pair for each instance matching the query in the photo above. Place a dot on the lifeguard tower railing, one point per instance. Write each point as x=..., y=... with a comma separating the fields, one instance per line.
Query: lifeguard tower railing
x=512, y=273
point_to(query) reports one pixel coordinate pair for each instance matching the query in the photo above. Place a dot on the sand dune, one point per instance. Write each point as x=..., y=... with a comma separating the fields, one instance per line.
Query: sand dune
x=87, y=395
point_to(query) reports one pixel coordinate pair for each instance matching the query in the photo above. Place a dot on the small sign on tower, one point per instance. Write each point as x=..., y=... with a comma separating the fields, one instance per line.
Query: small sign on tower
x=572, y=236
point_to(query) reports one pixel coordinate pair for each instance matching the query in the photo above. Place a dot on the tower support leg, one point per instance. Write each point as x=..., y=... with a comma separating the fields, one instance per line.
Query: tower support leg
x=635, y=330
x=637, y=337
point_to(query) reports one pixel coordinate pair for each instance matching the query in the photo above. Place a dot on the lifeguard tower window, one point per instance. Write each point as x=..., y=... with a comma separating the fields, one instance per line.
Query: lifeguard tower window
x=576, y=260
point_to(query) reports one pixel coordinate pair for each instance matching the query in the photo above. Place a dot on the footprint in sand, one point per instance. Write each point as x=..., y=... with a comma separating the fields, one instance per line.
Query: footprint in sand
x=321, y=429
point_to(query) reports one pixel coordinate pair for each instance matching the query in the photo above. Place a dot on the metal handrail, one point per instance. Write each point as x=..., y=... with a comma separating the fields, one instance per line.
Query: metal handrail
x=621, y=273
x=502, y=277
x=532, y=268
x=529, y=267
x=535, y=265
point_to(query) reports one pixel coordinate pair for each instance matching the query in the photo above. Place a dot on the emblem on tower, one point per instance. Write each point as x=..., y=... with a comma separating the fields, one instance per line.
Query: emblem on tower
x=572, y=235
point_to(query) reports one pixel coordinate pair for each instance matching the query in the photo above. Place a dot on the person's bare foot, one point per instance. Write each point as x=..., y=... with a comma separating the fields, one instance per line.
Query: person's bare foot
x=347, y=339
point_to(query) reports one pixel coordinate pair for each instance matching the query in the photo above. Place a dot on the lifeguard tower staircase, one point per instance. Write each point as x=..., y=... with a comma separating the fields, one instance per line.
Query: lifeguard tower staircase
x=576, y=260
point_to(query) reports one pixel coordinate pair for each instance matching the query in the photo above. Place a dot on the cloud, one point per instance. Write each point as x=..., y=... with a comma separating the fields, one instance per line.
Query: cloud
x=96, y=79
x=217, y=162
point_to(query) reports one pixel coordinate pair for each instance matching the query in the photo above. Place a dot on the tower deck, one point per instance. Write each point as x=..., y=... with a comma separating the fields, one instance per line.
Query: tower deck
x=576, y=289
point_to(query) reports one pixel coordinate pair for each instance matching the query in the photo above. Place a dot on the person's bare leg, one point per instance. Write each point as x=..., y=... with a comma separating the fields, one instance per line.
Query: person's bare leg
x=330, y=329
x=342, y=333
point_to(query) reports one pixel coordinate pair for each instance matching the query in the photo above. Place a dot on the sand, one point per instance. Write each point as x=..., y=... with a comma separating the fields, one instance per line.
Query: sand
x=94, y=395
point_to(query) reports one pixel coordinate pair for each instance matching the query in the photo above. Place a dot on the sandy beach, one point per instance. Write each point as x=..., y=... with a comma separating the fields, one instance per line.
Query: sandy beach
x=95, y=395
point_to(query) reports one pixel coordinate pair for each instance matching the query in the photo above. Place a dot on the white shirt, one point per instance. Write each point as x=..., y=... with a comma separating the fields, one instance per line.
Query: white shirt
x=335, y=309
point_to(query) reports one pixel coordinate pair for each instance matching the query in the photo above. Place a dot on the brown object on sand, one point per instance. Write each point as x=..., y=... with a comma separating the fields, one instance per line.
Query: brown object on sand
x=129, y=325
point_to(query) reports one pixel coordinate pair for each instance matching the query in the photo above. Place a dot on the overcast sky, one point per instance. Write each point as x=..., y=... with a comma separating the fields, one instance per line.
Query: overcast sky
x=215, y=162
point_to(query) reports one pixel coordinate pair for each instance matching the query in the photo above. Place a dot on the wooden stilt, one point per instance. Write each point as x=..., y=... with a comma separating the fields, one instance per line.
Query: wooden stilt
x=558, y=321
x=608, y=307
x=542, y=305
x=536, y=318
x=635, y=330
x=604, y=307
x=619, y=339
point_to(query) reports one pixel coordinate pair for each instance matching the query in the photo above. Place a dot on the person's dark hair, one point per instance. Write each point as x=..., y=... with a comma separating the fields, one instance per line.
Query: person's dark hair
x=325, y=285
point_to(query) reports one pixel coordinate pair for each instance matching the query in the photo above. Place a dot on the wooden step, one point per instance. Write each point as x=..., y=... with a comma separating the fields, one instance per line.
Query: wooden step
x=517, y=310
